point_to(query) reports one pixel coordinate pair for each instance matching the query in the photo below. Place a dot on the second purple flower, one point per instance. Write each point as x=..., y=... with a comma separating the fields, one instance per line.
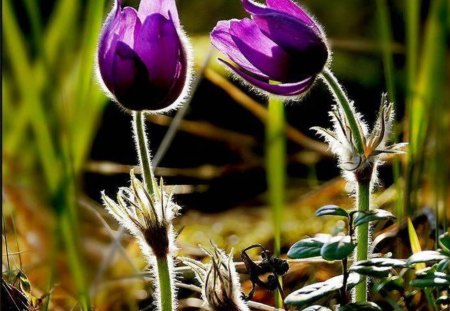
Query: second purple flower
x=280, y=50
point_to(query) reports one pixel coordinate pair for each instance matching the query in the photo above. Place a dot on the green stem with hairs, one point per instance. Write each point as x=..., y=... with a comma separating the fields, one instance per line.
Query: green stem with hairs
x=342, y=100
x=165, y=299
x=276, y=171
x=362, y=237
x=165, y=284
x=143, y=150
x=362, y=232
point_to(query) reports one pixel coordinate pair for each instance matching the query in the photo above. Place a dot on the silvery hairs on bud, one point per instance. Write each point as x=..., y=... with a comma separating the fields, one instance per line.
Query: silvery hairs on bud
x=221, y=290
x=358, y=167
x=148, y=217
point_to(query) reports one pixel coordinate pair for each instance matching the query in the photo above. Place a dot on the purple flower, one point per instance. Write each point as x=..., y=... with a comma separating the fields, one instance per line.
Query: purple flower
x=279, y=50
x=143, y=56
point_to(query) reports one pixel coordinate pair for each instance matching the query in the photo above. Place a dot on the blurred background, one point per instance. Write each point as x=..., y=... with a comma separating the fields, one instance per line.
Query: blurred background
x=64, y=142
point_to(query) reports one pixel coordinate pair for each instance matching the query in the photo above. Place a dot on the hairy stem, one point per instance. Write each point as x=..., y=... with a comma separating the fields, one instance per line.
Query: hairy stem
x=362, y=236
x=165, y=299
x=143, y=150
x=342, y=100
x=162, y=266
x=276, y=172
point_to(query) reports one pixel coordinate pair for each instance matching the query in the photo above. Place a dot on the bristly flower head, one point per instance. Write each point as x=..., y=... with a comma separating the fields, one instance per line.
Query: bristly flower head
x=143, y=56
x=221, y=289
x=147, y=216
x=356, y=166
x=280, y=50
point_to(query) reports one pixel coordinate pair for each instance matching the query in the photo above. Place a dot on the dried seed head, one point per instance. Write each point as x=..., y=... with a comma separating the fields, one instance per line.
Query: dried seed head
x=147, y=216
x=221, y=289
x=356, y=166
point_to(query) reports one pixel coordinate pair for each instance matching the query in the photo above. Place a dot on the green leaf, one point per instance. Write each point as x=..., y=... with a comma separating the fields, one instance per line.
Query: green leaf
x=379, y=272
x=444, y=242
x=316, y=308
x=383, y=262
x=389, y=284
x=360, y=306
x=337, y=248
x=308, y=248
x=443, y=265
x=331, y=210
x=443, y=300
x=372, y=215
x=426, y=257
x=432, y=279
x=316, y=291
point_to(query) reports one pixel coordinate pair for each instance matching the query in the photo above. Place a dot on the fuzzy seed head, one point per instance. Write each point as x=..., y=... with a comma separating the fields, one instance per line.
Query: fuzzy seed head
x=146, y=216
x=221, y=289
x=341, y=139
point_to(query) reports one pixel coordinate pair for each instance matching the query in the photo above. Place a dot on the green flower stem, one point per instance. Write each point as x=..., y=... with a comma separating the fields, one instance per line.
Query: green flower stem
x=362, y=236
x=343, y=101
x=165, y=284
x=362, y=232
x=165, y=299
x=143, y=149
x=276, y=170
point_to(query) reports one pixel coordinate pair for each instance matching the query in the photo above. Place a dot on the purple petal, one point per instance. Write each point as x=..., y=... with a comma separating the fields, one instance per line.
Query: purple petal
x=255, y=8
x=287, y=31
x=159, y=48
x=120, y=26
x=262, y=52
x=131, y=85
x=166, y=8
x=284, y=89
x=129, y=25
x=291, y=8
x=222, y=40
x=308, y=51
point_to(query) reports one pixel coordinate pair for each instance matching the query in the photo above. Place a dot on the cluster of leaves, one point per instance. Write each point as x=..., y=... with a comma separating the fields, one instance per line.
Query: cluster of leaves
x=332, y=248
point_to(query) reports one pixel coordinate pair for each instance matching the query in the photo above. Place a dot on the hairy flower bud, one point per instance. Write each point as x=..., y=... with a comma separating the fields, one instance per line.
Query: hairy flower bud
x=280, y=50
x=147, y=216
x=356, y=166
x=143, y=56
x=221, y=289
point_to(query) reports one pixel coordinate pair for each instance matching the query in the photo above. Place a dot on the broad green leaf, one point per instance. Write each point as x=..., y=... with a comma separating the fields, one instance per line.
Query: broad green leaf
x=337, y=248
x=382, y=262
x=316, y=291
x=379, y=272
x=316, y=308
x=426, y=257
x=308, y=248
x=331, y=210
x=433, y=279
x=360, y=306
x=372, y=215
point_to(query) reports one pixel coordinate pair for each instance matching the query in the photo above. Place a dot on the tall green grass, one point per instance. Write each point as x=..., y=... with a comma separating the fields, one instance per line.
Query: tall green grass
x=53, y=93
x=426, y=76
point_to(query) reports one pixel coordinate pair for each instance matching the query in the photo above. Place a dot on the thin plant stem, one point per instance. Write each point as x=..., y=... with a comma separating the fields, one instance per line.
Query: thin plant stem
x=342, y=100
x=362, y=237
x=162, y=266
x=143, y=150
x=276, y=171
x=165, y=284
